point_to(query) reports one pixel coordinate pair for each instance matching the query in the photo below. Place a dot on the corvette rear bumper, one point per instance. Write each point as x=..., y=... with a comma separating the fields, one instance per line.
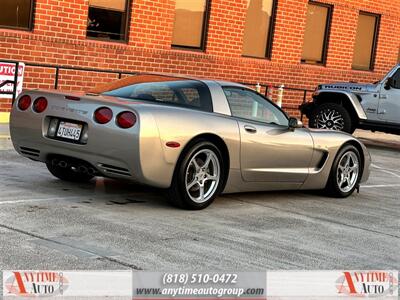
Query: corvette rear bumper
x=107, y=161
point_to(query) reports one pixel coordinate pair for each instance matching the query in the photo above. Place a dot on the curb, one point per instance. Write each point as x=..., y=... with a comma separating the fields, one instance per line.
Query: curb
x=381, y=144
x=4, y=117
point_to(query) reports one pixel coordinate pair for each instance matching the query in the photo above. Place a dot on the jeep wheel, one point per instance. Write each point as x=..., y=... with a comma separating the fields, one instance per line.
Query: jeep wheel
x=331, y=116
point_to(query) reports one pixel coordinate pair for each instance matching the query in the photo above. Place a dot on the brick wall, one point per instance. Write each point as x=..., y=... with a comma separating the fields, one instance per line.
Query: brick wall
x=59, y=37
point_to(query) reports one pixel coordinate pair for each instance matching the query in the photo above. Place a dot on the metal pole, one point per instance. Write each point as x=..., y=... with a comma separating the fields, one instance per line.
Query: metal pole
x=14, y=95
x=280, y=95
x=56, y=80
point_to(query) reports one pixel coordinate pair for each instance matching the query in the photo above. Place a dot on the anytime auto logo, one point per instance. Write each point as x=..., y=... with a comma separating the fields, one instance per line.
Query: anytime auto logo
x=32, y=283
x=367, y=284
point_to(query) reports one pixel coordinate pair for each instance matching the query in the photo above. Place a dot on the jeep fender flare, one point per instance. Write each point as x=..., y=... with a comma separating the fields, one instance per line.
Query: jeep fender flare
x=325, y=96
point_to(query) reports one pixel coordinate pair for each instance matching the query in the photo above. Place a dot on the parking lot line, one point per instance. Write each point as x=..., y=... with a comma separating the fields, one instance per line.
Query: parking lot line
x=385, y=170
x=380, y=186
x=62, y=198
x=37, y=200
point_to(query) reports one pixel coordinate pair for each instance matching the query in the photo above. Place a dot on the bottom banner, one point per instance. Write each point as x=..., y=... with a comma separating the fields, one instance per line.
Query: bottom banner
x=129, y=284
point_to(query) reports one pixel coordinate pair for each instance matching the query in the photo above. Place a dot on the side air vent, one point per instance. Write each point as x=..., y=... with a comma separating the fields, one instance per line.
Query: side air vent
x=114, y=170
x=322, y=162
x=30, y=151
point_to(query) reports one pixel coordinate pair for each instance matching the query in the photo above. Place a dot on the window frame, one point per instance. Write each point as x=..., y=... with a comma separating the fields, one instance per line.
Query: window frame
x=204, y=33
x=128, y=7
x=327, y=34
x=271, y=34
x=262, y=97
x=31, y=20
x=374, y=42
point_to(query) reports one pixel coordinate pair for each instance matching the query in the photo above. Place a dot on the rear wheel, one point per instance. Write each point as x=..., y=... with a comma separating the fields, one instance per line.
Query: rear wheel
x=199, y=177
x=331, y=116
x=67, y=174
x=345, y=173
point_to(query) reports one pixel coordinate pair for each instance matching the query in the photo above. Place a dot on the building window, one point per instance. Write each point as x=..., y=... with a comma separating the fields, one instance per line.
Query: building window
x=366, y=41
x=108, y=19
x=16, y=14
x=190, y=27
x=316, y=36
x=258, y=30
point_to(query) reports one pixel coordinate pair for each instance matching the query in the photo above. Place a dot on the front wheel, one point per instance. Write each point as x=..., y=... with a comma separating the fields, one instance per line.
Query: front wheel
x=331, y=116
x=199, y=177
x=345, y=173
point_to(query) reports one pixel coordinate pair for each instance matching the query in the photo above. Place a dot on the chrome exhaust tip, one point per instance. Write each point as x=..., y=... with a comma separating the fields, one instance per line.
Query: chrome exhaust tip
x=91, y=171
x=83, y=169
x=62, y=164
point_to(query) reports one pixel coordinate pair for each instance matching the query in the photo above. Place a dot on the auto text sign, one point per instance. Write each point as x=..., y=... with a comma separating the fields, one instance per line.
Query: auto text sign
x=334, y=284
x=100, y=284
x=7, y=72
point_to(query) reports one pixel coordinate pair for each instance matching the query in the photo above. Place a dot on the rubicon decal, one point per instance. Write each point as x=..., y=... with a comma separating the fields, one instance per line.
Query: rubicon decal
x=34, y=283
x=368, y=283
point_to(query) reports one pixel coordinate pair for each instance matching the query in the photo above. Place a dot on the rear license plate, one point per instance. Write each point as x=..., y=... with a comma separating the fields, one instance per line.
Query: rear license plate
x=70, y=131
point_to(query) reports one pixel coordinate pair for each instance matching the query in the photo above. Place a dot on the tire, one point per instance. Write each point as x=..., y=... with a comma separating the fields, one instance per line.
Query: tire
x=332, y=116
x=193, y=178
x=66, y=174
x=337, y=185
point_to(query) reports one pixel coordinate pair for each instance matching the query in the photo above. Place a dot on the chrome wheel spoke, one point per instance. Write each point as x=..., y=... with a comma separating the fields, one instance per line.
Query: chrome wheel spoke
x=192, y=184
x=211, y=177
x=201, y=196
x=354, y=168
x=196, y=165
x=207, y=162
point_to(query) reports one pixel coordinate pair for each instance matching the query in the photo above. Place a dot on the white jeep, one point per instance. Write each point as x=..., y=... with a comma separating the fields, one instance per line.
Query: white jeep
x=347, y=106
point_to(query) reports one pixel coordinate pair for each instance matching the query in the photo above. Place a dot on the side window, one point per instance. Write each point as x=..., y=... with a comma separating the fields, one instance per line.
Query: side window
x=249, y=105
x=396, y=79
x=159, y=92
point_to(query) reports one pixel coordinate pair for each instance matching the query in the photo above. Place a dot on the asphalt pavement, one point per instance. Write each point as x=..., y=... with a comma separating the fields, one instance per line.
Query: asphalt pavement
x=49, y=224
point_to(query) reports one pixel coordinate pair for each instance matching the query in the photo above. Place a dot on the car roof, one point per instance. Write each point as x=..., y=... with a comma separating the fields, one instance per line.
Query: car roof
x=153, y=77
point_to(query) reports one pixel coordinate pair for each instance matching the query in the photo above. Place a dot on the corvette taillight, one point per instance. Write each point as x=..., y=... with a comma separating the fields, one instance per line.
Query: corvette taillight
x=126, y=119
x=24, y=102
x=103, y=115
x=40, y=105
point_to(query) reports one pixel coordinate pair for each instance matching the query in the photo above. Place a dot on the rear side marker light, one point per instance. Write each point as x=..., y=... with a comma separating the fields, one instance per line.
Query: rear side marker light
x=24, y=102
x=126, y=119
x=103, y=115
x=73, y=98
x=40, y=105
x=173, y=144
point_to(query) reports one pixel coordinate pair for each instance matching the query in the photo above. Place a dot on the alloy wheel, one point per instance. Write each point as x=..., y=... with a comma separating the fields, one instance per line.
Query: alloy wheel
x=330, y=119
x=202, y=176
x=347, y=172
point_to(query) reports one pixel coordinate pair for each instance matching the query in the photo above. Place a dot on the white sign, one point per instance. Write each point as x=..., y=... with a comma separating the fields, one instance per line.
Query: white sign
x=336, y=284
x=68, y=283
x=7, y=71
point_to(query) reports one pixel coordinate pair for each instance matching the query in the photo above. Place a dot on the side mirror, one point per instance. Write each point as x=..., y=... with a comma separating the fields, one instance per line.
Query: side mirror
x=294, y=123
x=389, y=83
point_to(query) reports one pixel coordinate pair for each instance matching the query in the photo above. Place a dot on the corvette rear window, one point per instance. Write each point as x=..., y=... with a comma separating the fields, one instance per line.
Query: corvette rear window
x=186, y=93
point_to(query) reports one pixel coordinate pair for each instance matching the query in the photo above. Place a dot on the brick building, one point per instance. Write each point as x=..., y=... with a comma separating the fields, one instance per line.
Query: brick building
x=299, y=43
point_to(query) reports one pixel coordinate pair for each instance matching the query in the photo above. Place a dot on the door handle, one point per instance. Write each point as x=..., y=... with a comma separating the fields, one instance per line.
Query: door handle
x=250, y=129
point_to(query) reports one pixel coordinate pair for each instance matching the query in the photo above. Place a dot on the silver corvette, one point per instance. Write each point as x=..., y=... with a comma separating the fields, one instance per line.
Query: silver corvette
x=194, y=138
